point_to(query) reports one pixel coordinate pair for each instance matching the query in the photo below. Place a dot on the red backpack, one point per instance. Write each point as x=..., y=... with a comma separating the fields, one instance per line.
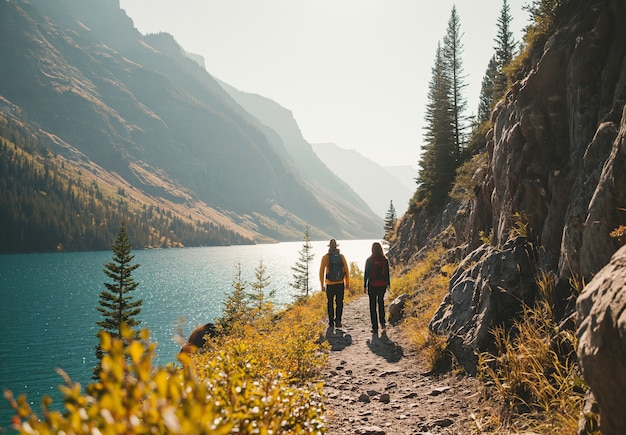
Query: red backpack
x=378, y=272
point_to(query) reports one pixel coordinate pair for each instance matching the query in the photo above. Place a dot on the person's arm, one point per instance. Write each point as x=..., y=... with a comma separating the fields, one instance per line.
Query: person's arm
x=346, y=270
x=323, y=265
x=388, y=275
x=366, y=274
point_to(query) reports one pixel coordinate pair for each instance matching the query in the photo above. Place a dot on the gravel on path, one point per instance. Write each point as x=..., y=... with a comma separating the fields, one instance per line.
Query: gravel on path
x=375, y=385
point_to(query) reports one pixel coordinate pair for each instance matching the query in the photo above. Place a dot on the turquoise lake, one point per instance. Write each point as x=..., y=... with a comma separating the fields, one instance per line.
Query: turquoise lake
x=48, y=304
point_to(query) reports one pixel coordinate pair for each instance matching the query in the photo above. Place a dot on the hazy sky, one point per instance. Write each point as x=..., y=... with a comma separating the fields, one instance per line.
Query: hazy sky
x=353, y=72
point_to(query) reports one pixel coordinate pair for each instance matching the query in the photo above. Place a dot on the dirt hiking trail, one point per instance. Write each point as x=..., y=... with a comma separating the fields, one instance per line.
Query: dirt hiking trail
x=374, y=385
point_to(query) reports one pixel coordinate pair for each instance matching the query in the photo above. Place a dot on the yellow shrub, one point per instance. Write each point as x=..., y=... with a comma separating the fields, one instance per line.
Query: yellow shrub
x=229, y=393
x=534, y=372
x=427, y=285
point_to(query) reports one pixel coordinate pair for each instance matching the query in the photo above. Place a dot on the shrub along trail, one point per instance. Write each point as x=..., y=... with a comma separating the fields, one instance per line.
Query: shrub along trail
x=375, y=385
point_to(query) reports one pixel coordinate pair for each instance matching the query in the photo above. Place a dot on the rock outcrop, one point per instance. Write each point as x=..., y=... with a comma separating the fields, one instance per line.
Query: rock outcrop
x=556, y=167
x=602, y=341
x=556, y=173
x=488, y=288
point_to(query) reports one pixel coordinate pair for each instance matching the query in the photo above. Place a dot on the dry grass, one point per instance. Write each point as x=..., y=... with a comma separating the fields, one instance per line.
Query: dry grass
x=533, y=381
x=534, y=375
x=464, y=183
x=426, y=284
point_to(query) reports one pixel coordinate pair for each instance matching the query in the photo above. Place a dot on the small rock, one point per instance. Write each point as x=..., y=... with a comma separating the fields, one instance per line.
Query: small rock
x=443, y=422
x=372, y=393
x=364, y=398
x=370, y=430
x=391, y=386
x=396, y=308
x=385, y=398
x=438, y=391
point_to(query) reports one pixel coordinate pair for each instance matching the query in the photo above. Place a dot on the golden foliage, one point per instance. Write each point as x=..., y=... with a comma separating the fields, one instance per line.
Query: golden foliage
x=463, y=187
x=520, y=225
x=535, y=372
x=619, y=233
x=260, y=381
x=426, y=284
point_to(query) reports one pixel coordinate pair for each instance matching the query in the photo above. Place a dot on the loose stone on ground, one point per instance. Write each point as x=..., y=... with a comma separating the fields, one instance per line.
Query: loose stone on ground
x=374, y=385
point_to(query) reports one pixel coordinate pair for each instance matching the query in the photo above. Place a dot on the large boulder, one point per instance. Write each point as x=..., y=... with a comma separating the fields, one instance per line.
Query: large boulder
x=601, y=311
x=489, y=288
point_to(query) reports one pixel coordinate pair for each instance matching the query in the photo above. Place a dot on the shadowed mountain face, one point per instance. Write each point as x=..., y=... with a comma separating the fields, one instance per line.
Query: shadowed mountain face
x=139, y=107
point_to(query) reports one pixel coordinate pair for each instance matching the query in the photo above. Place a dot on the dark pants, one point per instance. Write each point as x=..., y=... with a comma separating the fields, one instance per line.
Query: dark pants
x=377, y=306
x=334, y=296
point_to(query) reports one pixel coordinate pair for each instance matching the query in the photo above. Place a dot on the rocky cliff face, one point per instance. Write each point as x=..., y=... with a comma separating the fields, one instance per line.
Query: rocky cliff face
x=556, y=151
x=556, y=163
x=602, y=341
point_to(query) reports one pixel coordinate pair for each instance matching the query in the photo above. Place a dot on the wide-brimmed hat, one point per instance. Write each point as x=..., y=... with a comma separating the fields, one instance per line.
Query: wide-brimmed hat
x=333, y=243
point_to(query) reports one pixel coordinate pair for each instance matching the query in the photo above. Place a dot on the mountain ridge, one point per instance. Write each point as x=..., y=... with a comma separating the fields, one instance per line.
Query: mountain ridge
x=280, y=120
x=377, y=185
x=137, y=106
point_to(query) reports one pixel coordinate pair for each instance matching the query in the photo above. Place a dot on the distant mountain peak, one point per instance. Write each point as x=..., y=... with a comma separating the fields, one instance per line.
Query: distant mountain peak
x=377, y=185
x=147, y=112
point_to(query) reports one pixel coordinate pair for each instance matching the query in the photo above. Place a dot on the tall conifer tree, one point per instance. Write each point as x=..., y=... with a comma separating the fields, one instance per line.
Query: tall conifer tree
x=237, y=311
x=505, y=48
x=390, y=220
x=487, y=91
x=116, y=302
x=439, y=153
x=260, y=299
x=452, y=54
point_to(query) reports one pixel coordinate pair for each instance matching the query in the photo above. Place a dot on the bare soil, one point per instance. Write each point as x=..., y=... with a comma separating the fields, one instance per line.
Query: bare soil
x=375, y=385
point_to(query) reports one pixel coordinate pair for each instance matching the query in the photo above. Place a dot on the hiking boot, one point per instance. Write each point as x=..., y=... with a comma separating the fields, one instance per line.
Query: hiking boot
x=383, y=326
x=338, y=324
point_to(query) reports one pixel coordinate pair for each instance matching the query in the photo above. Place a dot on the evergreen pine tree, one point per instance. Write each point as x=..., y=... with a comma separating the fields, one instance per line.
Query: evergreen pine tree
x=236, y=309
x=259, y=300
x=505, y=47
x=390, y=220
x=452, y=52
x=487, y=91
x=439, y=153
x=116, y=304
x=302, y=268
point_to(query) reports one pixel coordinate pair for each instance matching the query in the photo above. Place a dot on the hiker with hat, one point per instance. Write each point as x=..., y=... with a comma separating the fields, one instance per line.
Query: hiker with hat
x=334, y=278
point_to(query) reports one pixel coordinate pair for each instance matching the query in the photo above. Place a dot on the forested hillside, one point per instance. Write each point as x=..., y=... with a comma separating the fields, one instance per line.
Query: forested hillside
x=162, y=128
x=49, y=203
